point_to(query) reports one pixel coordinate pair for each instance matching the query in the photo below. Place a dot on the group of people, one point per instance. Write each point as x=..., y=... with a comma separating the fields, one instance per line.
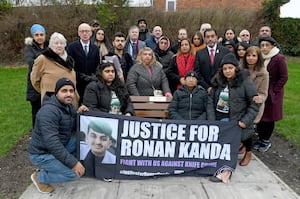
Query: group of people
x=208, y=77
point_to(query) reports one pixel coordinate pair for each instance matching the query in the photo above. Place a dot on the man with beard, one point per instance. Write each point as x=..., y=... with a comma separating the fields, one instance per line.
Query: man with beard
x=53, y=145
x=208, y=60
x=125, y=58
x=143, y=30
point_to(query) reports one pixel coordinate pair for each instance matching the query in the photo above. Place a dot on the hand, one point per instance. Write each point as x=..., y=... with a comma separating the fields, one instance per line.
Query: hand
x=79, y=169
x=208, y=90
x=82, y=108
x=242, y=124
x=182, y=81
x=257, y=99
x=168, y=94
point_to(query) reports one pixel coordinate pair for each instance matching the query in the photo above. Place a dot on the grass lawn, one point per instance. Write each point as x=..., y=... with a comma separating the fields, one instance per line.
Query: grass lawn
x=290, y=125
x=15, y=113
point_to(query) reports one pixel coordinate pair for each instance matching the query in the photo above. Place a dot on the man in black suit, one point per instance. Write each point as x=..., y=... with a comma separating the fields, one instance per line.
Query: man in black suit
x=208, y=60
x=86, y=56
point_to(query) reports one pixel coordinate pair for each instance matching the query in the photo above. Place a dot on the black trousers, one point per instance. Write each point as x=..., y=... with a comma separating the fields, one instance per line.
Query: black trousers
x=265, y=130
x=35, y=107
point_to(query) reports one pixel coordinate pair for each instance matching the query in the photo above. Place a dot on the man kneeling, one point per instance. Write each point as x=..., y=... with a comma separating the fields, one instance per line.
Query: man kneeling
x=53, y=145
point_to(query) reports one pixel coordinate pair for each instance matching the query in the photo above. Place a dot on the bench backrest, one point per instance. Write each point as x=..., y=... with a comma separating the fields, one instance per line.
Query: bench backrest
x=150, y=106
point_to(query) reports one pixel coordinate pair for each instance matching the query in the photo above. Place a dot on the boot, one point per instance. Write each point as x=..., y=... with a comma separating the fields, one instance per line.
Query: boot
x=246, y=159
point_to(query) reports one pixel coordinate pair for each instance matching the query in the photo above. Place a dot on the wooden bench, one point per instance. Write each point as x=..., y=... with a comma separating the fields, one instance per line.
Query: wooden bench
x=151, y=107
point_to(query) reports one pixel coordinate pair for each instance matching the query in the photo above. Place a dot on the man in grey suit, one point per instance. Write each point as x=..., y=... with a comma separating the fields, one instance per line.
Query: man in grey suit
x=208, y=60
x=133, y=44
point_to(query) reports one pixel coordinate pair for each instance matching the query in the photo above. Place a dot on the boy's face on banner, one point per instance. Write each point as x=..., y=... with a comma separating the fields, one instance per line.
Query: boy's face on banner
x=99, y=142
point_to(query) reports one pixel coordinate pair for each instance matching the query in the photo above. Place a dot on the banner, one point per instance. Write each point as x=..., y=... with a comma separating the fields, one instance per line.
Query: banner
x=123, y=147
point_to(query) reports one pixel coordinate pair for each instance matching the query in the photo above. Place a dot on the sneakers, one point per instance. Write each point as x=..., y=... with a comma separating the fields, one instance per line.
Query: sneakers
x=264, y=146
x=42, y=188
x=257, y=145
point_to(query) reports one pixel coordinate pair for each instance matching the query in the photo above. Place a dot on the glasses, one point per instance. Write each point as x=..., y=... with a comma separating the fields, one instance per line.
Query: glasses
x=84, y=31
x=191, y=78
x=245, y=35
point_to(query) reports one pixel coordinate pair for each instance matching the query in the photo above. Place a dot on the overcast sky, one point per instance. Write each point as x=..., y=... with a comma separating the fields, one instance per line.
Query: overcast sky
x=291, y=9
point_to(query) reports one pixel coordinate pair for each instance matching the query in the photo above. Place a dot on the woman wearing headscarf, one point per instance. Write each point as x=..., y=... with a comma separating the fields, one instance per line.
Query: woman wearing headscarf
x=162, y=52
x=53, y=64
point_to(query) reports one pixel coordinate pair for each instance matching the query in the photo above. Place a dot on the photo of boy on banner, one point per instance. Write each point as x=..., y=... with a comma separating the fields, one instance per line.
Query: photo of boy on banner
x=97, y=148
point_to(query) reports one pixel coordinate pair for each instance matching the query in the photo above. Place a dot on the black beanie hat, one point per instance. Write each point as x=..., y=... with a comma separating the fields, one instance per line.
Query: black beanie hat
x=229, y=58
x=62, y=82
x=191, y=74
x=142, y=19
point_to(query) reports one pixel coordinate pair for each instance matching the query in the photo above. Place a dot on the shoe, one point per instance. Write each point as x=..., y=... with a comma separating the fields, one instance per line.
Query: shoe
x=214, y=179
x=242, y=149
x=246, y=159
x=107, y=179
x=42, y=188
x=257, y=145
x=264, y=146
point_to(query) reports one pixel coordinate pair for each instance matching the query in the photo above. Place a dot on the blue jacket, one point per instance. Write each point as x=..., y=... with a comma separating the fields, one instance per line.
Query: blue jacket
x=188, y=105
x=53, y=129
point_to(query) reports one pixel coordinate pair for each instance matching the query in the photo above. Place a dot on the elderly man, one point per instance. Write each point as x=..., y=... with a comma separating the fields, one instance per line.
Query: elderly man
x=53, y=145
x=133, y=44
x=99, y=139
x=204, y=27
x=245, y=36
x=151, y=42
x=86, y=57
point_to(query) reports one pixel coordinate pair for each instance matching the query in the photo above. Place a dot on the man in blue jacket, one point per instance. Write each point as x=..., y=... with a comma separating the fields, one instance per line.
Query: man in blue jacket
x=53, y=145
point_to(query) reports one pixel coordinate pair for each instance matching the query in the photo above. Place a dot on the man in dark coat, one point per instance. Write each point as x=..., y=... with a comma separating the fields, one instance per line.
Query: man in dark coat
x=208, y=60
x=53, y=145
x=86, y=56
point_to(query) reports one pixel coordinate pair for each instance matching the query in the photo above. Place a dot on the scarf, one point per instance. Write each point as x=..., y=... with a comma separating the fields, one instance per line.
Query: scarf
x=184, y=64
x=274, y=51
x=64, y=60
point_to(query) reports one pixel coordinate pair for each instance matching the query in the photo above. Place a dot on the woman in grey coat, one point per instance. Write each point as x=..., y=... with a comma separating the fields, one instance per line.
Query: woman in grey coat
x=147, y=76
x=231, y=99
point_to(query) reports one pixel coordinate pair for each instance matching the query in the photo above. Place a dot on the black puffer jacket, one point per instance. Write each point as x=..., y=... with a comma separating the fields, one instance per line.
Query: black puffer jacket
x=97, y=97
x=53, y=129
x=241, y=105
x=188, y=105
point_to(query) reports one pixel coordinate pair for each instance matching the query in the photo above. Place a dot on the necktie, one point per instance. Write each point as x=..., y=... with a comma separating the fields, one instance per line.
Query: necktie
x=133, y=50
x=86, y=50
x=212, y=56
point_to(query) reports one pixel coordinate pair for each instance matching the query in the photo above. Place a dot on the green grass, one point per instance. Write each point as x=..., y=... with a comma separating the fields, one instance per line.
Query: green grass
x=15, y=114
x=289, y=127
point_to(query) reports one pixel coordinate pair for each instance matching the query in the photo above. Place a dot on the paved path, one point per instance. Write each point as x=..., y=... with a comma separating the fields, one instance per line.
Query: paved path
x=255, y=181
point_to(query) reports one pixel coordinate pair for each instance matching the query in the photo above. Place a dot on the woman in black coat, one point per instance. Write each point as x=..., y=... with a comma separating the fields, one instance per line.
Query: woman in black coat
x=108, y=93
x=231, y=99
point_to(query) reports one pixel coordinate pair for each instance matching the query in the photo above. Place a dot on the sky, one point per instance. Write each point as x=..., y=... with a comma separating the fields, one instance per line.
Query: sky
x=291, y=9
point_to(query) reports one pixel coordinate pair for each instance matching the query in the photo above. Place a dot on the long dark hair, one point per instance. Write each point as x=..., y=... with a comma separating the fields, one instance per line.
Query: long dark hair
x=117, y=85
x=260, y=60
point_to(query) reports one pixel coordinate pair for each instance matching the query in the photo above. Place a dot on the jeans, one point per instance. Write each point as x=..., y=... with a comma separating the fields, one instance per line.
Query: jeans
x=52, y=170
